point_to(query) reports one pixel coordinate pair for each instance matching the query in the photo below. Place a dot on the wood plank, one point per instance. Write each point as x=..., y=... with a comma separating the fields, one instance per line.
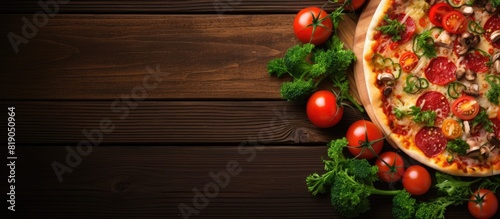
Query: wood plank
x=147, y=182
x=105, y=56
x=164, y=6
x=171, y=122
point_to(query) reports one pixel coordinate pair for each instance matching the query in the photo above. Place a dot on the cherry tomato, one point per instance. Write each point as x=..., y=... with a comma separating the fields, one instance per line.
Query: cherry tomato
x=454, y=22
x=390, y=166
x=312, y=25
x=465, y=107
x=483, y=204
x=451, y=129
x=498, y=114
x=437, y=12
x=355, y=4
x=363, y=137
x=408, y=61
x=323, y=110
x=416, y=180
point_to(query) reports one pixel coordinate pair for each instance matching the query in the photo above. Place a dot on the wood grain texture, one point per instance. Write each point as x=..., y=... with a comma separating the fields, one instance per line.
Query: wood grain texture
x=78, y=57
x=359, y=43
x=165, y=6
x=171, y=122
x=150, y=182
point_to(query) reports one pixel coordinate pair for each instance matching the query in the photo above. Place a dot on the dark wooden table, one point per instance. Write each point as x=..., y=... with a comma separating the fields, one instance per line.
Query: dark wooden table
x=146, y=107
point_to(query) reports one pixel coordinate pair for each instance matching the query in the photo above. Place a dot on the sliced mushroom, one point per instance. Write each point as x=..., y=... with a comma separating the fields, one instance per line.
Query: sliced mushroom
x=493, y=140
x=480, y=153
x=496, y=64
x=460, y=73
x=385, y=77
x=496, y=56
x=495, y=36
x=465, y=37
x=462, y=50
x=387, y=91
x=469, y=40
x=470, y=75
x=472, y=90
x=467, y=10
x=474, y=41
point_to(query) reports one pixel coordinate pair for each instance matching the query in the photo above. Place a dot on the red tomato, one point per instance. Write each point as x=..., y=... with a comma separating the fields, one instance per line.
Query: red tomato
x=416, y=180
x=454, y=22
x=323, y=110
x=437, y=12
x=355, y=4
x=465, y=107
x=483, y=204
x=363, y=137
x=408, y=61
x=312, y=25
x=390, y=166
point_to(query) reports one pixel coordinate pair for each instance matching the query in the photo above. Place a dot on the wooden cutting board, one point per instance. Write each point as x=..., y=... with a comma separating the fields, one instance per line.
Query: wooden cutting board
x=359, y=75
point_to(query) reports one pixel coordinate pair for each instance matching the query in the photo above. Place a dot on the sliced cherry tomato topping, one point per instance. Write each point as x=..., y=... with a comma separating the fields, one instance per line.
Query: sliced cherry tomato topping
x=440, y=71
x=437, y=12
x=476, y=61
x=465, y=107
x=431, y=141
x=491, y=25
x=454, y=22
x=408, y=61
x=451, y=128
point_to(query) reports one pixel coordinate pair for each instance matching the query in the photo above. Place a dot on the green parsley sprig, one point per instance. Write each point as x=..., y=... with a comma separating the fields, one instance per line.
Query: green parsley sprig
x=426, y=117
x=423, y=45
x=393, y=28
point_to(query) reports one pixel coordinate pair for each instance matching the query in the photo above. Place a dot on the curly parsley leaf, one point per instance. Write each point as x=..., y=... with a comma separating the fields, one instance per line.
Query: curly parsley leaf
x=493, y=93
x=423, y=45
x=458, y=146
x=425, y=117
x=393, y=28
x=482, y=120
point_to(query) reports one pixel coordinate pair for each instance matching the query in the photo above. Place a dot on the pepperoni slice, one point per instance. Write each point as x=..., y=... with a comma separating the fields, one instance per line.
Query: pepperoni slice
x=410, y=28
x=435, y=101
x=492, y=24
x=431, y=141
x=440, y=71
x=476, y=61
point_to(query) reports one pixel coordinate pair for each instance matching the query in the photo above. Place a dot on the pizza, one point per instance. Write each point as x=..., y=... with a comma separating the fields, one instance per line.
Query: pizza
x=432, y=74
